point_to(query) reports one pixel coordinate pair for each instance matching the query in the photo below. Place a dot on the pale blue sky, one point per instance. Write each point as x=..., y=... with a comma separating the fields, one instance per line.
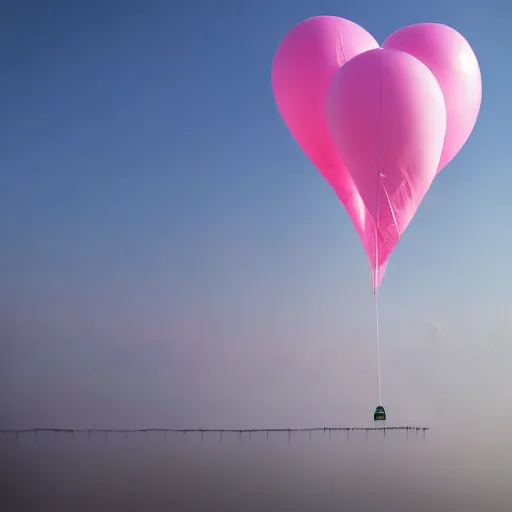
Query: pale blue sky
x=170, y=256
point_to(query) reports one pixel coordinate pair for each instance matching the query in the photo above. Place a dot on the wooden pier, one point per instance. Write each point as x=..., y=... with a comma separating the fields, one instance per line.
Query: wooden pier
x=326, y=430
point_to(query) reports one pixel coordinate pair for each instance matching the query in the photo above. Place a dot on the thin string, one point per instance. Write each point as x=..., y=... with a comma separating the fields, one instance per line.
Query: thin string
x=401, y=308
x=376, y=289
x=377, y=262
x=377, y=333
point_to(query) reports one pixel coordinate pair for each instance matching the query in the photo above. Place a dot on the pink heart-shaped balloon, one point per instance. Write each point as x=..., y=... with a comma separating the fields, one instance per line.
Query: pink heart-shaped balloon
x=387, y=117
x=303, y=67
x=311, y=61
x=452, y=61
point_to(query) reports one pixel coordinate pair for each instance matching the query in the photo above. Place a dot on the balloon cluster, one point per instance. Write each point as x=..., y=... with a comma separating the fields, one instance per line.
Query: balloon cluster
x=378, y=122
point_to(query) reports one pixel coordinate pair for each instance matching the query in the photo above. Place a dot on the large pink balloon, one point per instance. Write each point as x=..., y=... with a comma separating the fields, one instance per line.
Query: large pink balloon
x=387, y=117
x=302, y=71
x=452, y=61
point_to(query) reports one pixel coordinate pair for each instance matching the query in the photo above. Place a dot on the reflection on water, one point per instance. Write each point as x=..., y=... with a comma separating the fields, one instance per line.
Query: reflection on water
x=139, y=472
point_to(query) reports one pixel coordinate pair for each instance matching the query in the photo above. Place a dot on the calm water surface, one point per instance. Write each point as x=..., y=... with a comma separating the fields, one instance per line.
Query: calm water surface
x=444, y=472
